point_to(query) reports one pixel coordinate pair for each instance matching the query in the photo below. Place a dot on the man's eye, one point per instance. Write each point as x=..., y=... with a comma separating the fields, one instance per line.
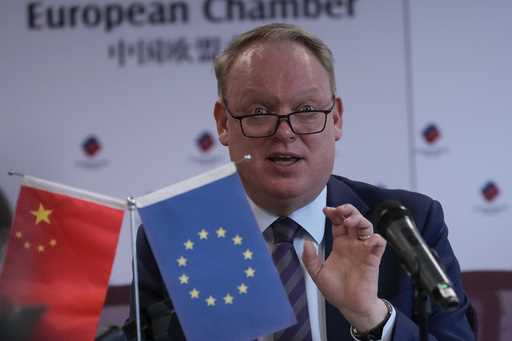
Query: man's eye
x=260, y=110
x=307, y=108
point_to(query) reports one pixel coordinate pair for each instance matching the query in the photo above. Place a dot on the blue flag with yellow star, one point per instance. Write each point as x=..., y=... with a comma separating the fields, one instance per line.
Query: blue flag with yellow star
x=214, y=260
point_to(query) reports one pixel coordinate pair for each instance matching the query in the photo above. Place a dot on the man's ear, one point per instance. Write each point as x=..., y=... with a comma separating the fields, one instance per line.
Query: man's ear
x=337, y=115
x=221, y=120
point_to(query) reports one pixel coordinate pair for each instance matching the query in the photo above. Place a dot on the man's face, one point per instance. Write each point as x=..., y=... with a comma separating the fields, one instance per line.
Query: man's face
x=286, y=171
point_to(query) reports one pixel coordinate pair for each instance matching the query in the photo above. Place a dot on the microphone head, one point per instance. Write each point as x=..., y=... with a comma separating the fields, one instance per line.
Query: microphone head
x=246, y=157
x=386, y=212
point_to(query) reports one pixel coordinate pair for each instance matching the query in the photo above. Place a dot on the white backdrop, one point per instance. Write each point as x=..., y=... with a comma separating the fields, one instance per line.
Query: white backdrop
x=61, y=86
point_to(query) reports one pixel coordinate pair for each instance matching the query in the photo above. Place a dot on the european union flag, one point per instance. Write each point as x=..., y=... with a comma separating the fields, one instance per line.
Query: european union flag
x=213, y=259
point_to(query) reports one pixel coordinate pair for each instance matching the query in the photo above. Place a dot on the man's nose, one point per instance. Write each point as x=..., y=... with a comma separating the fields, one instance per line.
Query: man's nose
x=284, y=129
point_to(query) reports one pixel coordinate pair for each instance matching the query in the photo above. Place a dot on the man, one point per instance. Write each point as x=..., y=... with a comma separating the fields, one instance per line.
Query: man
x=278, y=103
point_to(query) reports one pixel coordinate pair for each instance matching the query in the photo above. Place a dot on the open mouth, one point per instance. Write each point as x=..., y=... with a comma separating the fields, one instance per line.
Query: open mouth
x=284, y=159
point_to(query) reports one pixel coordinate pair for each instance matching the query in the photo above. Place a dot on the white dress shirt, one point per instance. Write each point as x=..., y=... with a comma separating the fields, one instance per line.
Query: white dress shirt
x=312, y=220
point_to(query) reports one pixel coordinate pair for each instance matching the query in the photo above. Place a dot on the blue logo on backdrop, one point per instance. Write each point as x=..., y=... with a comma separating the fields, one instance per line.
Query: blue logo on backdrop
x=431, y=134
x=490, y=191
x=491, y=200
x=431, y=138
x=91, y=146
x=91, y=151
x=206, y=147
x=205, y=142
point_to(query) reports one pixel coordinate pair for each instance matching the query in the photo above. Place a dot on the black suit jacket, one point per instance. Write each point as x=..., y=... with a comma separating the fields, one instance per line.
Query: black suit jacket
x=394, y=284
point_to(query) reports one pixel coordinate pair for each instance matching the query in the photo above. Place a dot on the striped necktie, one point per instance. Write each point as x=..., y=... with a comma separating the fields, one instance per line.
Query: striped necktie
x=292, y=275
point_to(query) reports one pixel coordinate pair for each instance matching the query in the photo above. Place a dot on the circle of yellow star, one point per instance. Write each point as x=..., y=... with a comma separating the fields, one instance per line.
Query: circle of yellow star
x=19, y=235
x=184, y=279
x=247, y=254
x=26, y=245
x=42, y=214
x=182, y=261
x=203, y=234
x=40, y=248
x=53, y=242
x=228, y=299
x=189, y=245
x=237, y=240
x=194, y=293
x=249, y=272
x=221, y=233
x=242, y=289
x=210, y=301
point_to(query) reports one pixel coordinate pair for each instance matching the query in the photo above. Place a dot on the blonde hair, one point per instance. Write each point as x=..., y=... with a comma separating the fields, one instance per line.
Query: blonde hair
x=272, y=32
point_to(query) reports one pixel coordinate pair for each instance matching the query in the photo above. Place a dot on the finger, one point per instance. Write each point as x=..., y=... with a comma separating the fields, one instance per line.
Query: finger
x=377, y=245
x=311, y=260
x=334, y=214
x=358, y=226
x=347, y=210
x=336, y=219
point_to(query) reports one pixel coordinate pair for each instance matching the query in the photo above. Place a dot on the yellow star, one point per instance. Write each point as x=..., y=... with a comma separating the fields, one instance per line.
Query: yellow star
x=194, y=293
x=203, y=234
x=242, y=289
x=189, y=245
x=221, y=233
x=182, y=261
x=40, y=248
x=26, y=245
x=184, y=279
x=237, y=240
x=42, y=214
x=19, y=235
x=53, y=242
x=247, y=254
x=228, y=299
x=249, y=272
x=210, y=301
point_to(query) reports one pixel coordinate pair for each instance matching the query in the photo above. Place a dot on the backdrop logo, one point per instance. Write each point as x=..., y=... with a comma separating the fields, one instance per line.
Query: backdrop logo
x=431, y=134
x=490, y=191
x=91, y=146
x=491, y=201
x=206, y=149
x=91, y=152
x=431, y=141
x=205, y=142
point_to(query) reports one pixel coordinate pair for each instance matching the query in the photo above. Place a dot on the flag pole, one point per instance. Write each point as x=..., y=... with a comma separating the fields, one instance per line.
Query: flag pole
x=131, y=208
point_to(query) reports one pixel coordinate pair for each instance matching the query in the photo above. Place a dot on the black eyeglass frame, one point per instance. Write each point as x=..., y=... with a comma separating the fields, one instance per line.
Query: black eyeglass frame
x=285, y=117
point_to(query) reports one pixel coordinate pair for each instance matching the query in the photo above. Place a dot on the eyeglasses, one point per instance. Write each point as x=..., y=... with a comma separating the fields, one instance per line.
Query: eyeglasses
x=302, y=122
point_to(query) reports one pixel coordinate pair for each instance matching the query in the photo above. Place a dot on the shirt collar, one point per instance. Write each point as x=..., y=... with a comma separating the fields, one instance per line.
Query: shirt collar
x=310, y=217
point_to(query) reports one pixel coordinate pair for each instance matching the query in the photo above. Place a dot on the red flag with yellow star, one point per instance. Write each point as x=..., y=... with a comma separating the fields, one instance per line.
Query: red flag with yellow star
x=60, y=255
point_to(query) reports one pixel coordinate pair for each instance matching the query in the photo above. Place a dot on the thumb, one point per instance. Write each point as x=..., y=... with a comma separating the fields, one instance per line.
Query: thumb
x=311, y=260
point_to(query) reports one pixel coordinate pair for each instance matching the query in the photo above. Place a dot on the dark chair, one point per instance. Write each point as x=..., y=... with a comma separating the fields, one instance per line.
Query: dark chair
x=490, y=293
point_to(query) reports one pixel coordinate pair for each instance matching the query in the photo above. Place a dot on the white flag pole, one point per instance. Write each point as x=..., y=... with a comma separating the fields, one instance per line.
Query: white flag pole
x=131, y=208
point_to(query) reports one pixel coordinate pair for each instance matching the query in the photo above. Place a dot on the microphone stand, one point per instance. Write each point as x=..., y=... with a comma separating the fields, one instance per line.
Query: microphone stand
x=422, y=311
x=159, y=322
x=422, y=306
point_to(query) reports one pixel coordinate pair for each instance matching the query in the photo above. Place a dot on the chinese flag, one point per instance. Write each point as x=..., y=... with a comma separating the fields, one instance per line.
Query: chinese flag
x=60, y=255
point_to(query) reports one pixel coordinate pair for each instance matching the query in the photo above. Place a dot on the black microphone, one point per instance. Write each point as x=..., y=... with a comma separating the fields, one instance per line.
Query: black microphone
x=396, y=225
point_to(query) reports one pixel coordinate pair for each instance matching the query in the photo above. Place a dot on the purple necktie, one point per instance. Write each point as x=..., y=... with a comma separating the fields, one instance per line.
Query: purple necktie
x=292, y=276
